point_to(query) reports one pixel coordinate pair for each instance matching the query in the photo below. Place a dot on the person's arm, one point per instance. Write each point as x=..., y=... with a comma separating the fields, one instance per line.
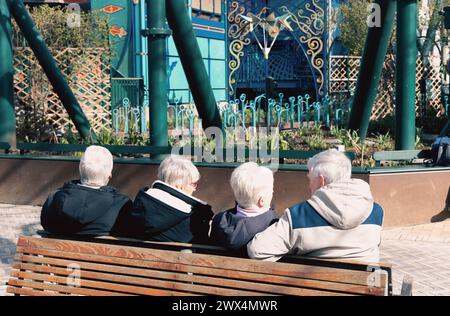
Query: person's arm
x=273, y=243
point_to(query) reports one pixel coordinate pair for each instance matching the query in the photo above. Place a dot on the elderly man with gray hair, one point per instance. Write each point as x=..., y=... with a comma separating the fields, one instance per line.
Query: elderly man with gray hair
x=167, y=212
x=252, y=186
x=86, y=206
x=339, y=221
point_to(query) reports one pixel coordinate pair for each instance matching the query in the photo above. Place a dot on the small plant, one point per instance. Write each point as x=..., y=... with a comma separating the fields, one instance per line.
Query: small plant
x=384, y=142
x=316, y=142
x=418, y=143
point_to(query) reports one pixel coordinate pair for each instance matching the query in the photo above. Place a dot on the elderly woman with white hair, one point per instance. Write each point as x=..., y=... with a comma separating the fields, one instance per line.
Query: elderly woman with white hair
x=168, y=212
x=86, y=206
x=252, y=186
x=339, y=221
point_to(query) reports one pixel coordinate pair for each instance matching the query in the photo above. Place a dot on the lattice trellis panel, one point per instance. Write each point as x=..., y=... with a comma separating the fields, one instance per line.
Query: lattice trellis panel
x=344, y=75
x=87, y=72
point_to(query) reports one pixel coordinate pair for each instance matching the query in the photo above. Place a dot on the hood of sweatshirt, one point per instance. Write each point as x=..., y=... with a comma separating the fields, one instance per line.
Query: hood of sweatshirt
x=345, y=204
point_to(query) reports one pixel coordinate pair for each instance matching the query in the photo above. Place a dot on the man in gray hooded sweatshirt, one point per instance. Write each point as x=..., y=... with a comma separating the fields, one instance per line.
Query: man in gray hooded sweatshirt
x=339, y=221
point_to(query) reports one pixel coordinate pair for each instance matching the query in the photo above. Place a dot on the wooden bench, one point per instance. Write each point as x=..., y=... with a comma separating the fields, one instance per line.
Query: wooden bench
x=46, y=266
x=410, y=156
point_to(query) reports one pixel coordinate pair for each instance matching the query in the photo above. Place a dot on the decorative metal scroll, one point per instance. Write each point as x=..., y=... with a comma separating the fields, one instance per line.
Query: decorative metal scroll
x=312, y=23
x=237, y=32
x=308, y=20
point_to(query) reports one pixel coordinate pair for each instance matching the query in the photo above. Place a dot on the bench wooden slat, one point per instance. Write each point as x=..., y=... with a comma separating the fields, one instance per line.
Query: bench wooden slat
x=60, y=288
x=218, y=281
x=305, y=287
x=120, y=288
x=180, y=282
x=30, y=292
x=118, y=253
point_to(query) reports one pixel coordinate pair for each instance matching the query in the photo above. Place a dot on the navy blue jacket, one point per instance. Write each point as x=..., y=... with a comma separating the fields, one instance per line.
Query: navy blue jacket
x=157, y=220
x=78, y=210
x=234, y=232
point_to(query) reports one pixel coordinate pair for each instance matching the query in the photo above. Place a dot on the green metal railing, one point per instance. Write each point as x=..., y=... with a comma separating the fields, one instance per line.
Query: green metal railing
x=24, y=148
x=127, y=105
x=290, y=112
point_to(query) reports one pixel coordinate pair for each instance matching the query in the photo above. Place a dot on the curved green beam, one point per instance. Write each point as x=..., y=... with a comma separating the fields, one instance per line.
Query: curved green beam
x=192, y=62
x=7, y=113
x=51, y=69
x=377, y=44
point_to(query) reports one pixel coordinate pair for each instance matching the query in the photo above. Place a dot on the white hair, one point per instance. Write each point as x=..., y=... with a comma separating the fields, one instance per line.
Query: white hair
x=178, y=171
x=251, y=182
x=333, y=165
x=96, y=166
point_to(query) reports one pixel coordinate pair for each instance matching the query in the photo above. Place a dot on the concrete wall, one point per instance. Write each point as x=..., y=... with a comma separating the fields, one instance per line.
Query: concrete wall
x=408, y=198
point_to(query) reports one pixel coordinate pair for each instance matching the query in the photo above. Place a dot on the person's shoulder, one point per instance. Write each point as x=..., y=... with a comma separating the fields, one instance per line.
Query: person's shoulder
x=377, y=207
x=300, y=207
x=376, y=217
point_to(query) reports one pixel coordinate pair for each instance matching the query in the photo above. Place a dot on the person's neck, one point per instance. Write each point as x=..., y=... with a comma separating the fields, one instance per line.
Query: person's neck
x=89, y=185
x=252, y=211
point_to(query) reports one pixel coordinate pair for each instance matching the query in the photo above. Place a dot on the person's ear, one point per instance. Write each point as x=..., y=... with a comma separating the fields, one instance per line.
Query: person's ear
x=261, y=202
x=322, y=181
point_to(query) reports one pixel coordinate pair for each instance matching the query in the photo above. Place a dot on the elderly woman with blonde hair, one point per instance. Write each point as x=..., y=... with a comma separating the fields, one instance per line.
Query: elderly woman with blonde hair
x=252, y=186
x=167, y=211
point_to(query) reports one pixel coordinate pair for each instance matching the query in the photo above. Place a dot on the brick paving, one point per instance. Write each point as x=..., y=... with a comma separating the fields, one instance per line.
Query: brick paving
x=422, y=252
x=14, y=221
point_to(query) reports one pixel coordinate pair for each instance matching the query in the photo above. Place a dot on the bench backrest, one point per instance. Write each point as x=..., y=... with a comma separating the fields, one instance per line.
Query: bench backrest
x=65, y=267
x=401, y=155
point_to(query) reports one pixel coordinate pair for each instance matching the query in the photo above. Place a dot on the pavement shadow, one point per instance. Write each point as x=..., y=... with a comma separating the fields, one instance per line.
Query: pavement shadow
x=31, y=229
x=445, y=214
x=7, y=251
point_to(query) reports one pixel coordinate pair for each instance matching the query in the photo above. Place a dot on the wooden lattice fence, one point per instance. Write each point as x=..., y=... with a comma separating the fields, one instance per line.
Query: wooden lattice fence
x=344, y=72
x=88, y=74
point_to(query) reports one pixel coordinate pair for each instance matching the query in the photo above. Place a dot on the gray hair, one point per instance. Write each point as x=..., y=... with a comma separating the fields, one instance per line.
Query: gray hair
x=178, y=171
x=333, y=165
x=251, y=182
x=96, y=166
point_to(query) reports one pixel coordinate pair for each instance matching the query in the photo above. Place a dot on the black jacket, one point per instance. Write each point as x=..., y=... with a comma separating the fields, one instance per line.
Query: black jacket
x=78, y=210
x=235, y=232
x=157, y=220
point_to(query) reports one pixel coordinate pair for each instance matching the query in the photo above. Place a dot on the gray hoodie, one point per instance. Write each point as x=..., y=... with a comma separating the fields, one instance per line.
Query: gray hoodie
x=340, y=221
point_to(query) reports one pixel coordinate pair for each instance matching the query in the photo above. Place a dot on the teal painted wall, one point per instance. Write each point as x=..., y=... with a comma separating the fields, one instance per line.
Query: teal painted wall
x=123, y=63
x=214, y=56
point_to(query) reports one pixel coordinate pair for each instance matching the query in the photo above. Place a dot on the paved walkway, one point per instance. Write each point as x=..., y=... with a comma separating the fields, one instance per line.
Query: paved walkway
x=422, y=252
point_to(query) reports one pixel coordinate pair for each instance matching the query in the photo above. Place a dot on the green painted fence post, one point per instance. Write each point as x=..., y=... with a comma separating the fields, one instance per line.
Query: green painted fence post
x=51, y=69
x=406, y=75
x=377, y=43
x=7, y=113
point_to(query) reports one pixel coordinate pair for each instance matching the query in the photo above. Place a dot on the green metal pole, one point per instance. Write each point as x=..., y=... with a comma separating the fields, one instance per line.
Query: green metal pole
x=377, y=43
x=406, y=75
x=445, y=131
x=51, y=69
x=157, y=33
x=7, y=113
x=192, y=61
